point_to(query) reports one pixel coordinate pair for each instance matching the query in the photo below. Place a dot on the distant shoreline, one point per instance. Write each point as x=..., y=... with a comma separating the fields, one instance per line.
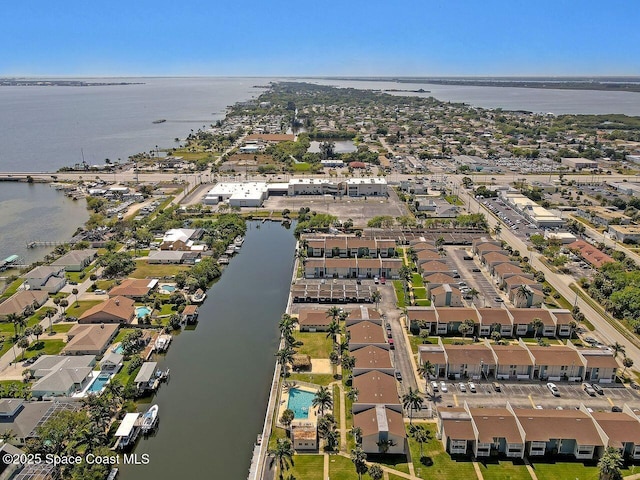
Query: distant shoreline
x=7, y=82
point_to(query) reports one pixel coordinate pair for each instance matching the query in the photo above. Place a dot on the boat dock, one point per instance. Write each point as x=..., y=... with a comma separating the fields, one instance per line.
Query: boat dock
x=39, y=243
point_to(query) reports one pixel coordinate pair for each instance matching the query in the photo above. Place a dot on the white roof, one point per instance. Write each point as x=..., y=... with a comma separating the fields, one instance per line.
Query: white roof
x=175, y=234
x=363, y=181
x=128, y=422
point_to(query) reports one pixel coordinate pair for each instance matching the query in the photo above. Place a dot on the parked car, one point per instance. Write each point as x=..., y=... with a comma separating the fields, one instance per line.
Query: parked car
x=389, y=335
x=497, y=387
x=398, y=375
x=472, y=387
x=383, y=281
x=476, y=269
x=434, y=386
x=376, y=279
x=616, y=408
x=553, y=389
x=498, y=299
x=589, y=389
x=597, y=388
x=462, y=387
x=443, y=387
x=590, y=340
x=99, y=292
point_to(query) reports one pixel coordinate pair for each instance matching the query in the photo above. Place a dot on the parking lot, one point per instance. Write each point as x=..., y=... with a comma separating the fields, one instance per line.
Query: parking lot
x=535, y=394
x=520, y=226
x=478, y=280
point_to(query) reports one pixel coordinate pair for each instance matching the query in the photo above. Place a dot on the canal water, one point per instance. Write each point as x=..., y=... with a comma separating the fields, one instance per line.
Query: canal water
x=214, y=404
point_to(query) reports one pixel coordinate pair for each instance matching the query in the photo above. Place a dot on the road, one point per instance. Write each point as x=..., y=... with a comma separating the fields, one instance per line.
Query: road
x=607, y=333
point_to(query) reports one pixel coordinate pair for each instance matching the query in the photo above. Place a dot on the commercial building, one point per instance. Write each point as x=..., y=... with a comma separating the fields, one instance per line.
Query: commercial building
x=578, y=163
x=536, y=214
x=625, y=233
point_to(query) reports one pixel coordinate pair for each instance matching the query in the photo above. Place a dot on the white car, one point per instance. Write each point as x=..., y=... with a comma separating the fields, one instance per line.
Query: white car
x=472, y=387
x=443, y=387
x=589, y=389
x=434, y=386
x=462, y=387
x=553, y=389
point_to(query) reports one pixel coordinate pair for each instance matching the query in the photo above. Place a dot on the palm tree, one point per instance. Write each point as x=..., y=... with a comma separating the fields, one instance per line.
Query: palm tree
x=626, y=363
x=375, y=472
x=384, y=445
x=357, y=434
x=282, y=455
x=473, y=293
x=421, y=435
x=348, y=362
x=352, y=394
x=413, y=401
x=497, y=229
x=287, y=325
x=376, y=296
x=23, y=343
x=36, y=331
x=618, y=348
x=359, y=459
x=333, y=312
x=609, y=464
x=536, y=325
x=12, y=318
x=572, y=327
x=285, y=356
x=522, y=292
x=332, y=437
x=323, y=399
x=74, y=291
x=8, y=436
x=332, y=330
x=427, y=369
x=467, y=327
x=286, y=418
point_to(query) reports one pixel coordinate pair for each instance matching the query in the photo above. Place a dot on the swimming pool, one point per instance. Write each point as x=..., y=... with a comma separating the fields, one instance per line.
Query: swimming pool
x=119, y=349
x=168, y=288
x=300, y=401
x=141, y=312
x=99, y=383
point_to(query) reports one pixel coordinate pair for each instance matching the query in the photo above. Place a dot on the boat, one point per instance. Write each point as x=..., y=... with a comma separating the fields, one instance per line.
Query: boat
x=150, y=419
x=198, y=297
x=162, y=343
x=162, y=120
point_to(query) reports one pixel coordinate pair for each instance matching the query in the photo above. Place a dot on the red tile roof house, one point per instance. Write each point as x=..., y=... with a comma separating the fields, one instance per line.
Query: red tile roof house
x=114, y=310
x=134, y=288
x=363, y=313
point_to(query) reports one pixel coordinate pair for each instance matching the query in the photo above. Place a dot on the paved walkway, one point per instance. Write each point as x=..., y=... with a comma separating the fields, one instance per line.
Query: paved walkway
x=476, y=467
x=326, y=467
x=530, y=469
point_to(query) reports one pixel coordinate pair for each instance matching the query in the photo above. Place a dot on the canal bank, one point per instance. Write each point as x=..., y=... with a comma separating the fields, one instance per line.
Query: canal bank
x=214, y=405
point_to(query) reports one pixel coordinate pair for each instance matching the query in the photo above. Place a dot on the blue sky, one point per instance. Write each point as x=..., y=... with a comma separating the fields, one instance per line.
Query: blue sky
x=326, y=37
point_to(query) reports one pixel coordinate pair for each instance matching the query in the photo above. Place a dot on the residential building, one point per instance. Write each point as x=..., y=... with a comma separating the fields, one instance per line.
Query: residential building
x=76, y=260
x=180, y=239
x=513, y=362
x=133, y=288
x=60, y=375
x=445, y=296
x=621, y=431
x=20, y=302
x=372, y=357
x=382, y=430
x=366, y=333
x=557, y=363
x=313, y=320
x=469, y=361
x=375, y=388
x=114, y=310
x=304, y=435
x=88, y=339
x=48, y=278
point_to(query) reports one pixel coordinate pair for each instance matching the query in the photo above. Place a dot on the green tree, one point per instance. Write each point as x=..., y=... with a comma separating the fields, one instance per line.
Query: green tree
x=332, y=330
x=609, y=464
x=376, y=296
x=74, y=291
x=412, y=401
x=375, y=472
x=282, y=455
x=323, y=399
x=536, y=325
x=466, y=327
x=286, y=418
x=285, y=356
x=426, y=370
x=618, y=348
x=626, y=363
x=359, y=459
x=23, y=343
x=422, y=436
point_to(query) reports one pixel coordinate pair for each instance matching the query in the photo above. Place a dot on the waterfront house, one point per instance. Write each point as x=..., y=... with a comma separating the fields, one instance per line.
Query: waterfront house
x=60, y=375
x=190, y=314
x=114, y=310
x=76, y=260
x=175, y=257
x=382, y=430
x=111, y=362
x=21, y=301
x=133, y=288
x=180, y=239
x=88, y=339
x=21, y=417
x=48, y=278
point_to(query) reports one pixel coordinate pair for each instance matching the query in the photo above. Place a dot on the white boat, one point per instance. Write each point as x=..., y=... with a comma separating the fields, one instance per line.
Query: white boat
x=150, y=419
x=162, y=343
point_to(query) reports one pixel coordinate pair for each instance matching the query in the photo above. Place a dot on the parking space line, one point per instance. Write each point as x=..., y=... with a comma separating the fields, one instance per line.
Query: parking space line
x=455, y=399
x=610, y=401
x=531, y=400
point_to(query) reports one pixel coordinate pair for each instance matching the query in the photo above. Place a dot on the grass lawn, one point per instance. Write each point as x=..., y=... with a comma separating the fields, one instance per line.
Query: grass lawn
x=443, y=466
x=420, y=293
x=416, y=280
x=146, y=270
x=60, y=328
x=315, y=344
x=341, y=468
x=301, y=167
x=44, y=347
x=336, y=403
x=570, y=470
x=12, y=288
x=83, y=306
x=399, y=288
x=105, y=284
x=504, y=470
x=397, y=462
x=307, y=467
x=123, y=376
x=318, y=378
x=168, y=309
x=423, y=303
x=121, y=334
x=395, y=477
